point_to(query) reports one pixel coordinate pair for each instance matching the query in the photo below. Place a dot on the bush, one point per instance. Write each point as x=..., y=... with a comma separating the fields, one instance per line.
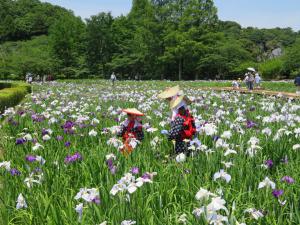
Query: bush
x=12, y=93
x=272, y=69
x=5, y=85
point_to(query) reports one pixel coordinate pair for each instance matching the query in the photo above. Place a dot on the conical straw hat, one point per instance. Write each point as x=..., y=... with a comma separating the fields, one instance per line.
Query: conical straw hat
x=174, y=103
x=133, y=111
x=169, y=92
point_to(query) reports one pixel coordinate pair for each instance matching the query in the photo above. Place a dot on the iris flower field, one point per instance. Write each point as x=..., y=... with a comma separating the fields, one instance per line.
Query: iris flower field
x=61, y=163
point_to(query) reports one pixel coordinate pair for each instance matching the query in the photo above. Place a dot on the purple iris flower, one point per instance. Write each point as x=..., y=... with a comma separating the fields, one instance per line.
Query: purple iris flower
x=44, y=132
x=105, y=130
x=287, y=179
x=113, y=169
x=111, y=166
x=146, y=176
x=21, y=112
x=20, y=141
x=250, y=124
x=15, y=172
x=30, y=158
x=109, y=163
x=36, y=118
x=135, y=170
x=59, y=138
x=215, y=138
x=96, y=200
x=73, y=158
x=68, y=127
x=67, y=144
x=277, y=193
x=269, y=163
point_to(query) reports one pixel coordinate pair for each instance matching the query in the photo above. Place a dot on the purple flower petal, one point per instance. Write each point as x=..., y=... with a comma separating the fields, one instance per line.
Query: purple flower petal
x=30, y=158
x=135, y=170
x=287, y=179
x=277, y=193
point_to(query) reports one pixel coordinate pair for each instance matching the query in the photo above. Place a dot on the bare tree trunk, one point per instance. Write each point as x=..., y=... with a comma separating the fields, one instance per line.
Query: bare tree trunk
x=180, y=69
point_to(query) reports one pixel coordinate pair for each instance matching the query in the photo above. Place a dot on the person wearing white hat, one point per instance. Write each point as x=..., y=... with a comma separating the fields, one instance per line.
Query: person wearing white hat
x=182, y=126
x=257, y=80
x=131, y=129
x=246, y=79
x=170, y=93
x=251, y=81
x=250, y=78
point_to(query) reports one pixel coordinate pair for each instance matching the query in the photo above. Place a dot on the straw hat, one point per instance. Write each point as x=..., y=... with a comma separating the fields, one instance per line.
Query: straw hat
x=169, y=92
x=133, y=111
x=176, y=102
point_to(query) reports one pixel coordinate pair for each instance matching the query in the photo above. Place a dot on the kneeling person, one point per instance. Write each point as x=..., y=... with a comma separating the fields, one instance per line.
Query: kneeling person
x=131, y=130
x=182, y=125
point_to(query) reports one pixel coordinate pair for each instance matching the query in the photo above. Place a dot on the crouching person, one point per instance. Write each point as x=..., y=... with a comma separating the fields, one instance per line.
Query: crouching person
x=183, y=126
x=131, y=130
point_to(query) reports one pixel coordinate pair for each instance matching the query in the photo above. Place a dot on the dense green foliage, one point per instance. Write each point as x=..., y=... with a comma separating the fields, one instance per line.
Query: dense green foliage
x=158, y=39
x=12, y=93
x=23, y=19
x=23, y=56
x=66, y=40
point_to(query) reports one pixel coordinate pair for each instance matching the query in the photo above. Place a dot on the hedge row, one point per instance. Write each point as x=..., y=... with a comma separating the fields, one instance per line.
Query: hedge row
x=12, y=93
x=5, y=85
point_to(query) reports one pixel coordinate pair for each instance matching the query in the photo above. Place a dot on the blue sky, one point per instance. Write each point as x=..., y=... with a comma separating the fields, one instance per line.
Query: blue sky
x=257, y=13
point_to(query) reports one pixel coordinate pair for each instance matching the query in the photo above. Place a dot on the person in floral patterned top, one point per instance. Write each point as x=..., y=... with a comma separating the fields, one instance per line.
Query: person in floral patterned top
x=183, y=126
x=131, y=129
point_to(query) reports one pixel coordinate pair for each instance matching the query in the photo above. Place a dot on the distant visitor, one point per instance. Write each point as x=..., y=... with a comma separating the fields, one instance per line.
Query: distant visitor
x=113, y=78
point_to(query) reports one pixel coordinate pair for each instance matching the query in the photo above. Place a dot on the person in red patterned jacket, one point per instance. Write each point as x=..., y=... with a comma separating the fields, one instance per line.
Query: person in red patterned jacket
x=183, y=127
x=131, y=130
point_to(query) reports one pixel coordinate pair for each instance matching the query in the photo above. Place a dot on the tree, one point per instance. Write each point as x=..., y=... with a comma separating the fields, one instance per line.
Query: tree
x=100, y=42
x=66, y=39
x=23, y=19
x=136, y=42
x=292, y=59
x=33, y=56
x=189, y=20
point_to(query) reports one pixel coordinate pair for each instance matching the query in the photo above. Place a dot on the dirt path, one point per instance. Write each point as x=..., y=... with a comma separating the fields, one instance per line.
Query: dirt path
x=257, y=91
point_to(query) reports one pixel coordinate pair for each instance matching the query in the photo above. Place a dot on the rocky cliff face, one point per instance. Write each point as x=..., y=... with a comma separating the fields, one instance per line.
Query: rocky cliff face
x=270, y=54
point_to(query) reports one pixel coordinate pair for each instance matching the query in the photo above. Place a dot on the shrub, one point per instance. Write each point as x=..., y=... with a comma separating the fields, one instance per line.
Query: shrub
x=272, y=69
x=12, y=93
x=5, y=85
